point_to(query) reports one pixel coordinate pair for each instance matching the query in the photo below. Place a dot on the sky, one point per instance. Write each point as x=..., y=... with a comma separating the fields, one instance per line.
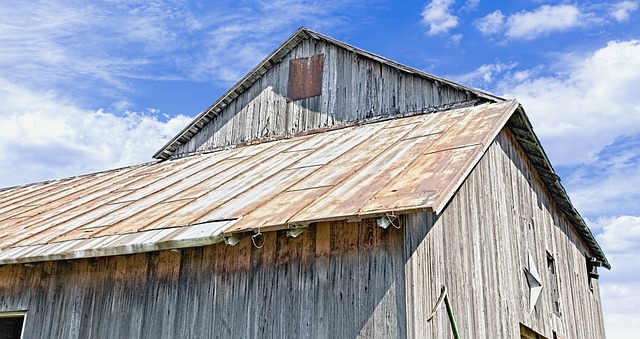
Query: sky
x=89, y=86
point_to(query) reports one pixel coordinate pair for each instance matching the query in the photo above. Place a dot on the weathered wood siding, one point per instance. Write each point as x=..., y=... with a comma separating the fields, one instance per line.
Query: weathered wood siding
x=353, y=88
x=478, y=247
x=334, y=281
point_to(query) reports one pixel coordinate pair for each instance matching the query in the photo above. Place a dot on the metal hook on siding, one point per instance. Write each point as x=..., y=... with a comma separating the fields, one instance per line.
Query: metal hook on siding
x=393, y=217
x=253, y=239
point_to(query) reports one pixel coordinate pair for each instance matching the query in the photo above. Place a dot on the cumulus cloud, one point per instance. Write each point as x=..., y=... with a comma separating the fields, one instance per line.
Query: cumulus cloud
x=620, y=239
x=437, y=15
x=542, y=21
x=491, y=23
x=579, y=112
x=44, y=135
x=621, y=11
x=620, y=235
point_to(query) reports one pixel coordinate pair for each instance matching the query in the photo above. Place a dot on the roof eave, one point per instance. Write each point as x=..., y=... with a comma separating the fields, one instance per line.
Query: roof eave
x=521, y=128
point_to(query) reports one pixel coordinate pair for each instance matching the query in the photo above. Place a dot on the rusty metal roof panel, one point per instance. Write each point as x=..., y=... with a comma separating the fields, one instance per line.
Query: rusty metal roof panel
x=390, y=166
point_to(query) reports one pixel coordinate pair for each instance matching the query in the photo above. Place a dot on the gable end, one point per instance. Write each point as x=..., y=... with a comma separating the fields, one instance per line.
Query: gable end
x=371, y=94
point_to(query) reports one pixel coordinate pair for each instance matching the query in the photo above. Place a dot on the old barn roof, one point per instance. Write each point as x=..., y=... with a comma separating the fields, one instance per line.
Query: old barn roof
x=276, y=57
x=365, y=170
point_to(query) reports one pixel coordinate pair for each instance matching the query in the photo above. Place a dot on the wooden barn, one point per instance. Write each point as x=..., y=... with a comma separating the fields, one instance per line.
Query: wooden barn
x=331, y=193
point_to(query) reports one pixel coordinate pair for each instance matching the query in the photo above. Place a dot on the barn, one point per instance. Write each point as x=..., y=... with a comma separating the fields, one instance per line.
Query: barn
x=330, y=193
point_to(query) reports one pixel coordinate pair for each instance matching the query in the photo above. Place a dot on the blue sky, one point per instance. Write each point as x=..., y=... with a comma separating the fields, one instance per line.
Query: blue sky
x=92, y=86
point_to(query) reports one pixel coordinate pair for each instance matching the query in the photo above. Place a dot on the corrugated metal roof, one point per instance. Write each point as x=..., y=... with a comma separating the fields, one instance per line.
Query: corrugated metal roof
x=392, y=166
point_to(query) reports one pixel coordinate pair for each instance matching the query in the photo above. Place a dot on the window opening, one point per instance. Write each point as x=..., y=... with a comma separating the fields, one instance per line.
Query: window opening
x=592, y=270
x=11, y=324
x=553, y=279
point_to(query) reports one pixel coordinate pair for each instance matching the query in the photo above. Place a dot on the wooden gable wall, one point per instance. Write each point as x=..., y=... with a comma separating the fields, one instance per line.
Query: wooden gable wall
x=353, y=88
x=478, y=247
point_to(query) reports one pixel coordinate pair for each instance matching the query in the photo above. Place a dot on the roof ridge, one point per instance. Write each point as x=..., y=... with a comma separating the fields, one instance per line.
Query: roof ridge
x=372, y=120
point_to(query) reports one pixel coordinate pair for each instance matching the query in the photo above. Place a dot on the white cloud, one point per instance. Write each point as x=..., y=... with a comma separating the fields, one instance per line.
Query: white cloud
x=578, y=113
x=438, y=17
x=456, y=38
x=485, y=75
x=471, y=5
x=621, y=235
x=621, y=11
x=64, y=41
x=67, y=43
x=542, y=21
x=45, y=136
x=548, y=19
x=620, y=240
x=240, y=38
x=51, y=51
x=611, y=184
x=491, y=23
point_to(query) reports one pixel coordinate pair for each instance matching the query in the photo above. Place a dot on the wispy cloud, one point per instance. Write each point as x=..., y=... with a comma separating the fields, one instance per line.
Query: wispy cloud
x=59, y=58
x=471, y=5
x=485, y=75
x=75, y=44
x=437, y=15
x=543, y=20
x=622, y=10
x=604, y=186
x=549, y=19
x=491, y=23
x=237, y=41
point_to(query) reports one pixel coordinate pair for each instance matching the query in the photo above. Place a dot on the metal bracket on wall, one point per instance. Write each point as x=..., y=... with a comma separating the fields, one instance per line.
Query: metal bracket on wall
x=443, y=298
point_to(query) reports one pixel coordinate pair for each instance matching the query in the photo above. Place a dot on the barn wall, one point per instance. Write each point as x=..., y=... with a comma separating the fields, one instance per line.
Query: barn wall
x=478, y=247
x=338, y=280
x=353, y=88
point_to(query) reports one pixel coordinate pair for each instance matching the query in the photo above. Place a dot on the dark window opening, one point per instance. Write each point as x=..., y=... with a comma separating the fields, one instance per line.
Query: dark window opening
x=11, y=326
x=592, y=270
x=553, y=278
x=305, y=77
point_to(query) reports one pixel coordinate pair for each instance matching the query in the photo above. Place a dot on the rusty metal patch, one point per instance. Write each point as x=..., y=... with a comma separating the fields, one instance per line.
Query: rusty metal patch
x=305, y=77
